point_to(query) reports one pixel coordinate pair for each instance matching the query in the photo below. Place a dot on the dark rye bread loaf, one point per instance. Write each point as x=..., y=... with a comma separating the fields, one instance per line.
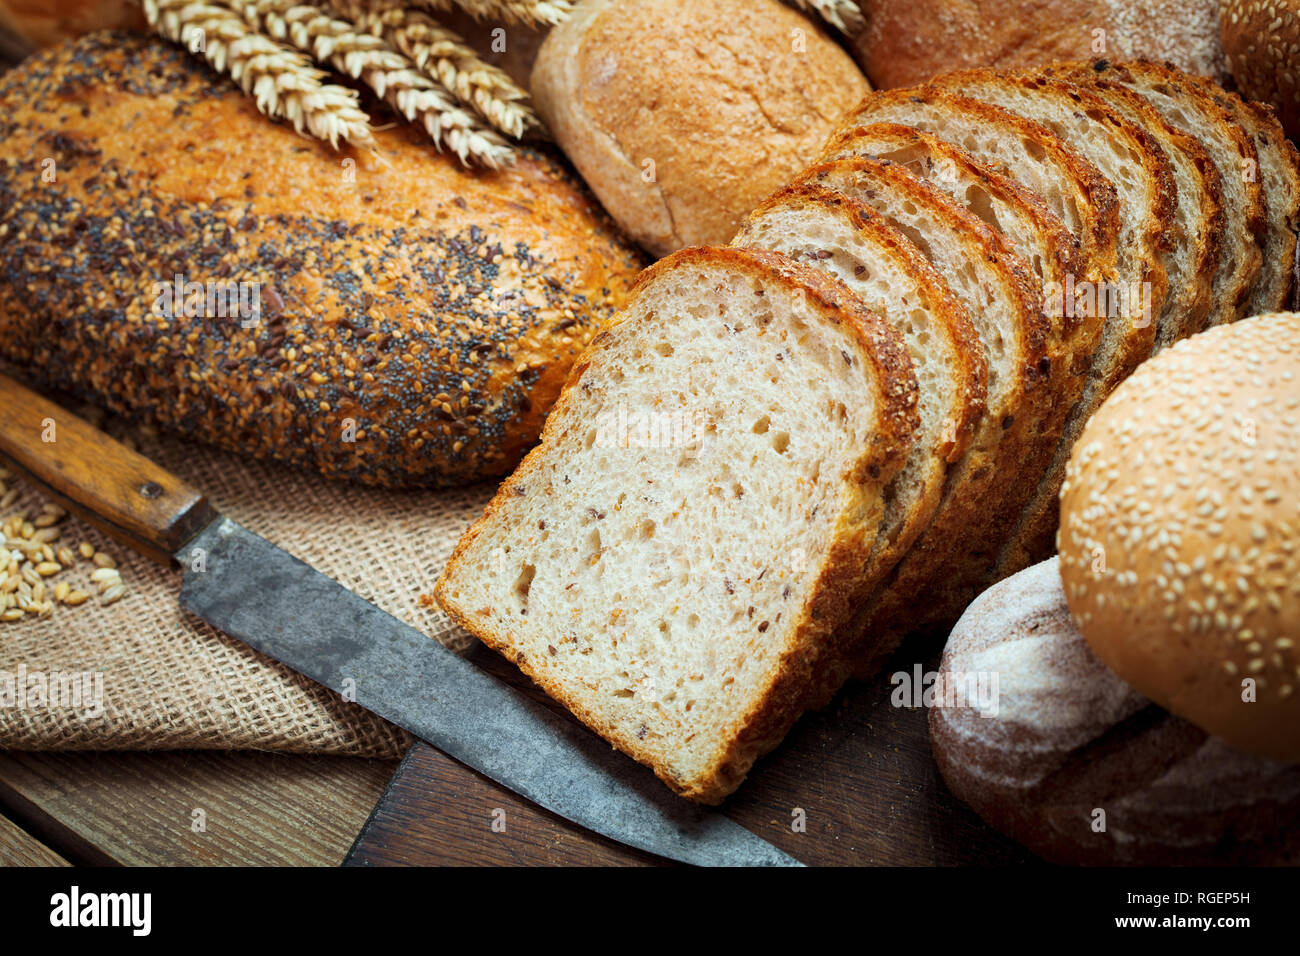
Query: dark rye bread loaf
x=430, y=313
x=1070, y=738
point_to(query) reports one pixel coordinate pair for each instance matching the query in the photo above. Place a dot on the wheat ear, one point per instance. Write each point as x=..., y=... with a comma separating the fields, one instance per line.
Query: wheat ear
x=844, y=15
x=389, y=73
x=448, y=59
x=282, y=81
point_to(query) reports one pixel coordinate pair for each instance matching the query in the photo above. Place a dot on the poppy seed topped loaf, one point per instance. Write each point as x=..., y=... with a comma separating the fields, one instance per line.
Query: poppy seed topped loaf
x=414, y=321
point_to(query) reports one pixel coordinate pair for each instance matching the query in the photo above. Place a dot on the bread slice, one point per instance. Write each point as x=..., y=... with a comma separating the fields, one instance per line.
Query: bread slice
x=1197, y=231
x=676, y=594
x=1020, y=216
x=1143, y=178
x=1279, y=181
x=1187, y=106
x=891, y=277
x=1037, y=234
x=1028, y=152
x=1001, y=295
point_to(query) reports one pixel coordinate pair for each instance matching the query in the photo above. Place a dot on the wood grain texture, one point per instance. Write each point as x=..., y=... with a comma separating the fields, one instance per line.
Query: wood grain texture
x=137, y=808
x=136, y=502
x=19, y=848
x=861, y=771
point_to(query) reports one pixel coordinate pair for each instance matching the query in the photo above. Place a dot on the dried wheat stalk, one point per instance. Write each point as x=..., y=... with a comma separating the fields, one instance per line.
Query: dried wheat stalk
x=537, y=13
x=282, y=81
x=448, y=59
x=389, y=73
x=844, y=15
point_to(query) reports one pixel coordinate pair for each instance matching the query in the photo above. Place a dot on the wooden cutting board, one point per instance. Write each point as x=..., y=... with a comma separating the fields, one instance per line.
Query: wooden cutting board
x=860, y=772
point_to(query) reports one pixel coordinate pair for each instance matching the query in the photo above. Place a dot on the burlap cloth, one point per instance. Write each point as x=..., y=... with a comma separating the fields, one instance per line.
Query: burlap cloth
x=172, y=682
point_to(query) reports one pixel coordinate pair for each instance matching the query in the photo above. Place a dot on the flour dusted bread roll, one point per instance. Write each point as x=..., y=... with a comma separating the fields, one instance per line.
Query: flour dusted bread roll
x=1180, y=532
x=683, y=116
x=1080, y=767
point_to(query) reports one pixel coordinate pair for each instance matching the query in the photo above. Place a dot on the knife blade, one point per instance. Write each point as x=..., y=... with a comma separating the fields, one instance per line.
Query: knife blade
x=248, y=588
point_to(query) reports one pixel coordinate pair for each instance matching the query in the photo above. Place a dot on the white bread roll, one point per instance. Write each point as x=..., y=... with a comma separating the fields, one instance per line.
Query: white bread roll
x=1180, y=532
x=683, y=116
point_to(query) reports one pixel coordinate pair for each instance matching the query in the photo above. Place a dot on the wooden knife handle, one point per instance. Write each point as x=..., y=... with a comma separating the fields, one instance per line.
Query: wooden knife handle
x=114, y=488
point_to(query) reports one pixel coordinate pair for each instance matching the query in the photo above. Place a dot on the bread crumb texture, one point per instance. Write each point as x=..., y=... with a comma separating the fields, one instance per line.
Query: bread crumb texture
x=675, y=590
x=1180, y=532
x=417, y=320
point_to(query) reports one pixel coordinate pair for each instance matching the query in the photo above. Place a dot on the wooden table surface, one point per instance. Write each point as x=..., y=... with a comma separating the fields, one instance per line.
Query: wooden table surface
x=145, y=808
x=860, y=773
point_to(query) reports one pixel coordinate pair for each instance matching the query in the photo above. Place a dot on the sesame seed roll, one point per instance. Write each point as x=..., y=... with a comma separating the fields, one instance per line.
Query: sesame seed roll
x=1180, y=532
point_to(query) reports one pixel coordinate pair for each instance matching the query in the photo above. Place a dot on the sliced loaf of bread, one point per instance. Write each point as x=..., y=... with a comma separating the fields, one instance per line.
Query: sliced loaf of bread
x=1001, y=294
x=1197, y=229
x=676, y=586
x=1187, y=106
x=1022, y=218
x=1143, y=178
x=1019, y=215
x=1028, y=152
x=891, y=277
x=1279, y=182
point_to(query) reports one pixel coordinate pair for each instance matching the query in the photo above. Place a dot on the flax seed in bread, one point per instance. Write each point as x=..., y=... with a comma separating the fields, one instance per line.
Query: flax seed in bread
x=677, y=595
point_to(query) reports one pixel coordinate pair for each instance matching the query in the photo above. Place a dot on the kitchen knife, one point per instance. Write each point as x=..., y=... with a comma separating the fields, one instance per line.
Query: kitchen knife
x=248, y=588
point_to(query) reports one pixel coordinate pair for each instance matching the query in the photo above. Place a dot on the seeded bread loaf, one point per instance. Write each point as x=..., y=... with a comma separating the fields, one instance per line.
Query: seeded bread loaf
x=677, y=595
x=1259, y=44
x=417, y=320
x=877, y=263
x=1080, y=767
x=1180, y=532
